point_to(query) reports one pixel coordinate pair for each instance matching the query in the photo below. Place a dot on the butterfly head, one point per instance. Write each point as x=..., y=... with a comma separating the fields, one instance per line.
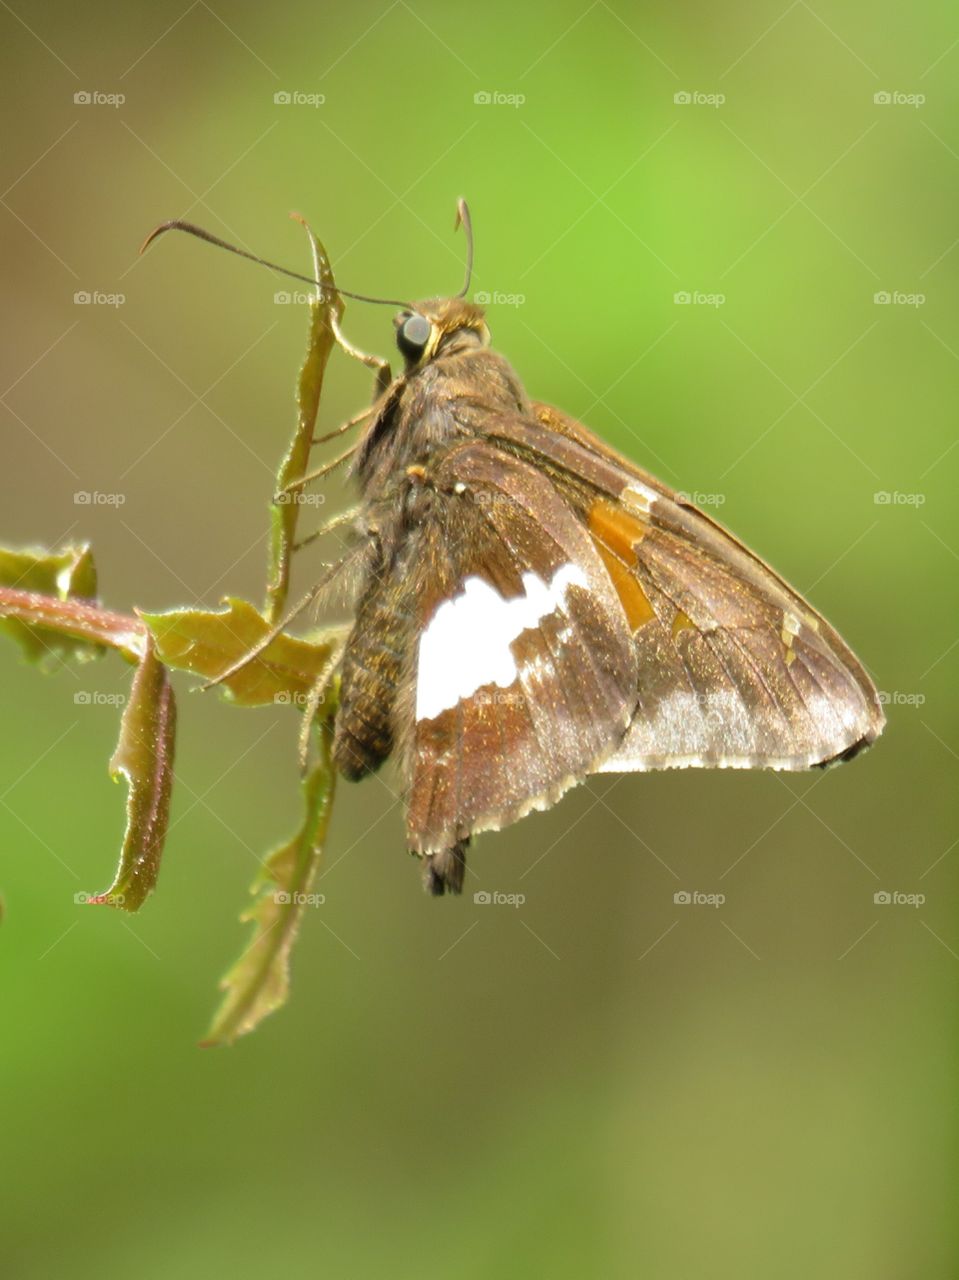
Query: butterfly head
x=439, y=326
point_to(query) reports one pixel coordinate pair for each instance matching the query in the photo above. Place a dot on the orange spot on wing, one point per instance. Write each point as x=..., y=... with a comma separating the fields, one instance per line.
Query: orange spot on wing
x=617, y=528
x=682, y=622
x=616, y=534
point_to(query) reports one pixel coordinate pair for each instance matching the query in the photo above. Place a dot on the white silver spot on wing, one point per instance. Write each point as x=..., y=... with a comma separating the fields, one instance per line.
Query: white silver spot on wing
x=639, y=496
x=790, y=630
x=466, y=643
x=791, y=624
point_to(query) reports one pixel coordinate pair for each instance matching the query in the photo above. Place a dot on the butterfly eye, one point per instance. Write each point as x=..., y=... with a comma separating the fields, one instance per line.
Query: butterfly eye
x=413, y=335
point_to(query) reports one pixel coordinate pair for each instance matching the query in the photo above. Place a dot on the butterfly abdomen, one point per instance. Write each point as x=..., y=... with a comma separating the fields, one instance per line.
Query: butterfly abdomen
x=372, y=667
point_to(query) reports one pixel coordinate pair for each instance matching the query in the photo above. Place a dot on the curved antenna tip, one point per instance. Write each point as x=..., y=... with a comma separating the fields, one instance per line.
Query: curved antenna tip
x=464, y=220
x=157, y=232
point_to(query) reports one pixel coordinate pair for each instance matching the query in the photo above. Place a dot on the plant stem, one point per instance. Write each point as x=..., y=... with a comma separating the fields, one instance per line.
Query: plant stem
x=77, y=618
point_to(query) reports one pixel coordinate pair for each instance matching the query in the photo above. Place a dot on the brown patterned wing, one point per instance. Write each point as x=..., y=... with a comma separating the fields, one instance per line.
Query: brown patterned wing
x=525, y=668
x=735, y=669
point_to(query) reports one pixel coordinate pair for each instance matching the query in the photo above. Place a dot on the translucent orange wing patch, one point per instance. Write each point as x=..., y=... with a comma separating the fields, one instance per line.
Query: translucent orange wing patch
x=616, y=535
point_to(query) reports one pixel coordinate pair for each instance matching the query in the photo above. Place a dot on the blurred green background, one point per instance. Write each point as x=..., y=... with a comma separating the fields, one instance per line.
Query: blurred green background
x=600, y=1082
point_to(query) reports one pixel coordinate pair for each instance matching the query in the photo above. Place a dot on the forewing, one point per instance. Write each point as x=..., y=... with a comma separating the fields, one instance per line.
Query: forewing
x=735, y=669
x=525, y=671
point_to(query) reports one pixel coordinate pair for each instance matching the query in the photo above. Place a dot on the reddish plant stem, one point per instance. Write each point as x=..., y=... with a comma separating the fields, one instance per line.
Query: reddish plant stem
x=77, y=618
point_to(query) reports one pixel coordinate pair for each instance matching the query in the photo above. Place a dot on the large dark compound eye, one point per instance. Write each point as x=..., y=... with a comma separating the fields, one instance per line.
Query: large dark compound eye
x=413, y=335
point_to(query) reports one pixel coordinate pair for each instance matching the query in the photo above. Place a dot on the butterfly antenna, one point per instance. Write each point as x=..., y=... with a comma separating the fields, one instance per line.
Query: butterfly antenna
x=177, y=224
x=463, y=220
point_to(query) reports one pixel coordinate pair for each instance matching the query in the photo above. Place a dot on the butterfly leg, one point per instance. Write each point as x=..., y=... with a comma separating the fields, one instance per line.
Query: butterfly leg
x=319, y=692
x=383, y=375
x=344, y=518
x=330, y=575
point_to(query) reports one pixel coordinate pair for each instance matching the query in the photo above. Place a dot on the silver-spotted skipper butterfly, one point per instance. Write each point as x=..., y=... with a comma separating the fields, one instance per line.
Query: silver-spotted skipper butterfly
x=532, y=607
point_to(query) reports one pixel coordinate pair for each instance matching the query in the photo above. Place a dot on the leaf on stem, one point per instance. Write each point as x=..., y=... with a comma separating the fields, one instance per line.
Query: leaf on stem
x=259, y=982
x=326, y=306
x=208, y=643
x=68, y=574
x=144, y=758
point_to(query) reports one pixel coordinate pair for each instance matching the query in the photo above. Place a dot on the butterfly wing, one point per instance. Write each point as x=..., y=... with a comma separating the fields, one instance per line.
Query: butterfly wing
x=525, y=670
x=734, y=668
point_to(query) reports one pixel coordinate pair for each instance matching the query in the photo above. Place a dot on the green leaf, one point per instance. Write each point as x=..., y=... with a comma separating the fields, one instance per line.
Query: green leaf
x=259, y=982
x=325, y=307
x=209, y=643
x=64, y=575
x=144, y=757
